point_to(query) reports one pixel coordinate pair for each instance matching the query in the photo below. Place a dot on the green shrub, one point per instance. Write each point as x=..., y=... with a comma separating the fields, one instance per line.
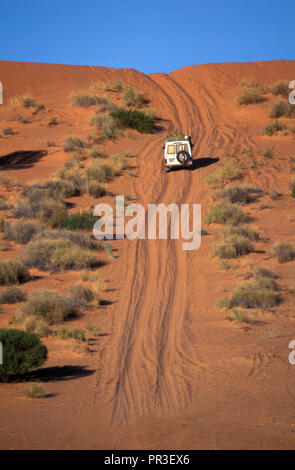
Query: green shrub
x=34, y=391
x=13, y=272
x=132, y=97
x=99, y=171
x=81, y=239
x=281, y=88
x=20, y=231
x=22, y=352
x=50, y=212
x=239, y=316
x=54, y=189
x=254, y=294
x=138, y=120
x=284, y=252
x=246, y=232
x=79, y=221
x=109, y=250
x=225, y=213
x=107, y=125
x=54, y=255
x=249, y=95
x=274, y=127
x=48, y=306
x=227, y=171
x=11, y=295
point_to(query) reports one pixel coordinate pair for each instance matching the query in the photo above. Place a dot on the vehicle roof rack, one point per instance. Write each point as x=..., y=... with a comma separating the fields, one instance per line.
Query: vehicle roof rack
x=173, y=137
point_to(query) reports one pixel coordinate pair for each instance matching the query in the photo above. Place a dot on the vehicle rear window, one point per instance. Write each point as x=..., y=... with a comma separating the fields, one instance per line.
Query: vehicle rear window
x=180, y=147
x=170, y=149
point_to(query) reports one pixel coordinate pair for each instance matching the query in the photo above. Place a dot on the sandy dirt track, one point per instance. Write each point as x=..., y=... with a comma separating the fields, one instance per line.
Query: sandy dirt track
x=171, y=371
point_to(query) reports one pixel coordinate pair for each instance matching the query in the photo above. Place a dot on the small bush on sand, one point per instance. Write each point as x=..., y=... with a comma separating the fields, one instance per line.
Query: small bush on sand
x=23, y=352
x=120, y=161
x=8, y=131
x=254, y=294
x=233, y=246
x=249, y=95
x=260, y=272
x=239, y=194
x=82, y=292
x=48, y=306
x=54, y=255
x=268, y=154
x=138, y=120
x=74, y=143
x=239, y=316
x=274, y=127
x=95, y=189
x=95, y=153
x=283, y=251
x=281, y=108
x=53, y=189
x=79, y=221
x=20, y=231
x=225, y=172
x=50, y=212
x=107, y=124
x=39, y=326
x=99, y=171
x=11, y=295
x=132, y=97
x=13, y=272
x=33, y=391
x=112, y=85
x=81, y=239
x=281, y=88
x=225, y=213
x=77, y=334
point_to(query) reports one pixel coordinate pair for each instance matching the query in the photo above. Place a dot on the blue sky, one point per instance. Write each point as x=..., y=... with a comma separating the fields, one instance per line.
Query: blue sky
x=151, y=36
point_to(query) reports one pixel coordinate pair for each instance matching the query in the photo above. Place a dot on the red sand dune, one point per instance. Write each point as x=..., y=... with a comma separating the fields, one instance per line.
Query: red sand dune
x=170, y=371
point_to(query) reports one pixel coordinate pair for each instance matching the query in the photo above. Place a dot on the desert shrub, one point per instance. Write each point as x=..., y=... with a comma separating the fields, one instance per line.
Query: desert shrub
x=225, y=213
x=74, y=143
x=95, y=153
x=50, y=143
x=39, y=326
x=53, y=189
x=11, y=295
x=239, y=194
x=99, y=171
x=8, y=131
x=76, y=334
x=227, y=171
x=109, y=250
x=82, y=292
x=20, y=231
x=79, y=238
x=281, y=88
x=260, y=272
x=233, y=246
x=33, y=391
x=22, y=352
x=132, y=97
x=13, y=272
x=107, y=125
x=95, y=189
x=138, y=120
x=281, y=108
x=53, y=122
x=79, y=221
x=249, y=95
x=268, y=153
x=274, y=127
x=283, y=251
x=239, y=316
x=4, y=205
x=246, y=232
x=27, y=101
x=23, y=120
x=48, y=306
x=50, y=212
x=53, y=255
x=254, y=294
x=120, y=161
x=292, y=188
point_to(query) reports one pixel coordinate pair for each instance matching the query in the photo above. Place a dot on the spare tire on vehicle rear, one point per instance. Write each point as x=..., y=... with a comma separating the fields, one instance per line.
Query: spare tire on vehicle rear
x=183, y=157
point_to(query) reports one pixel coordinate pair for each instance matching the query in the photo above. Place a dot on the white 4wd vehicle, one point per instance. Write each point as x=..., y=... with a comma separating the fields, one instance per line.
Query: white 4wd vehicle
x=178, y=152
